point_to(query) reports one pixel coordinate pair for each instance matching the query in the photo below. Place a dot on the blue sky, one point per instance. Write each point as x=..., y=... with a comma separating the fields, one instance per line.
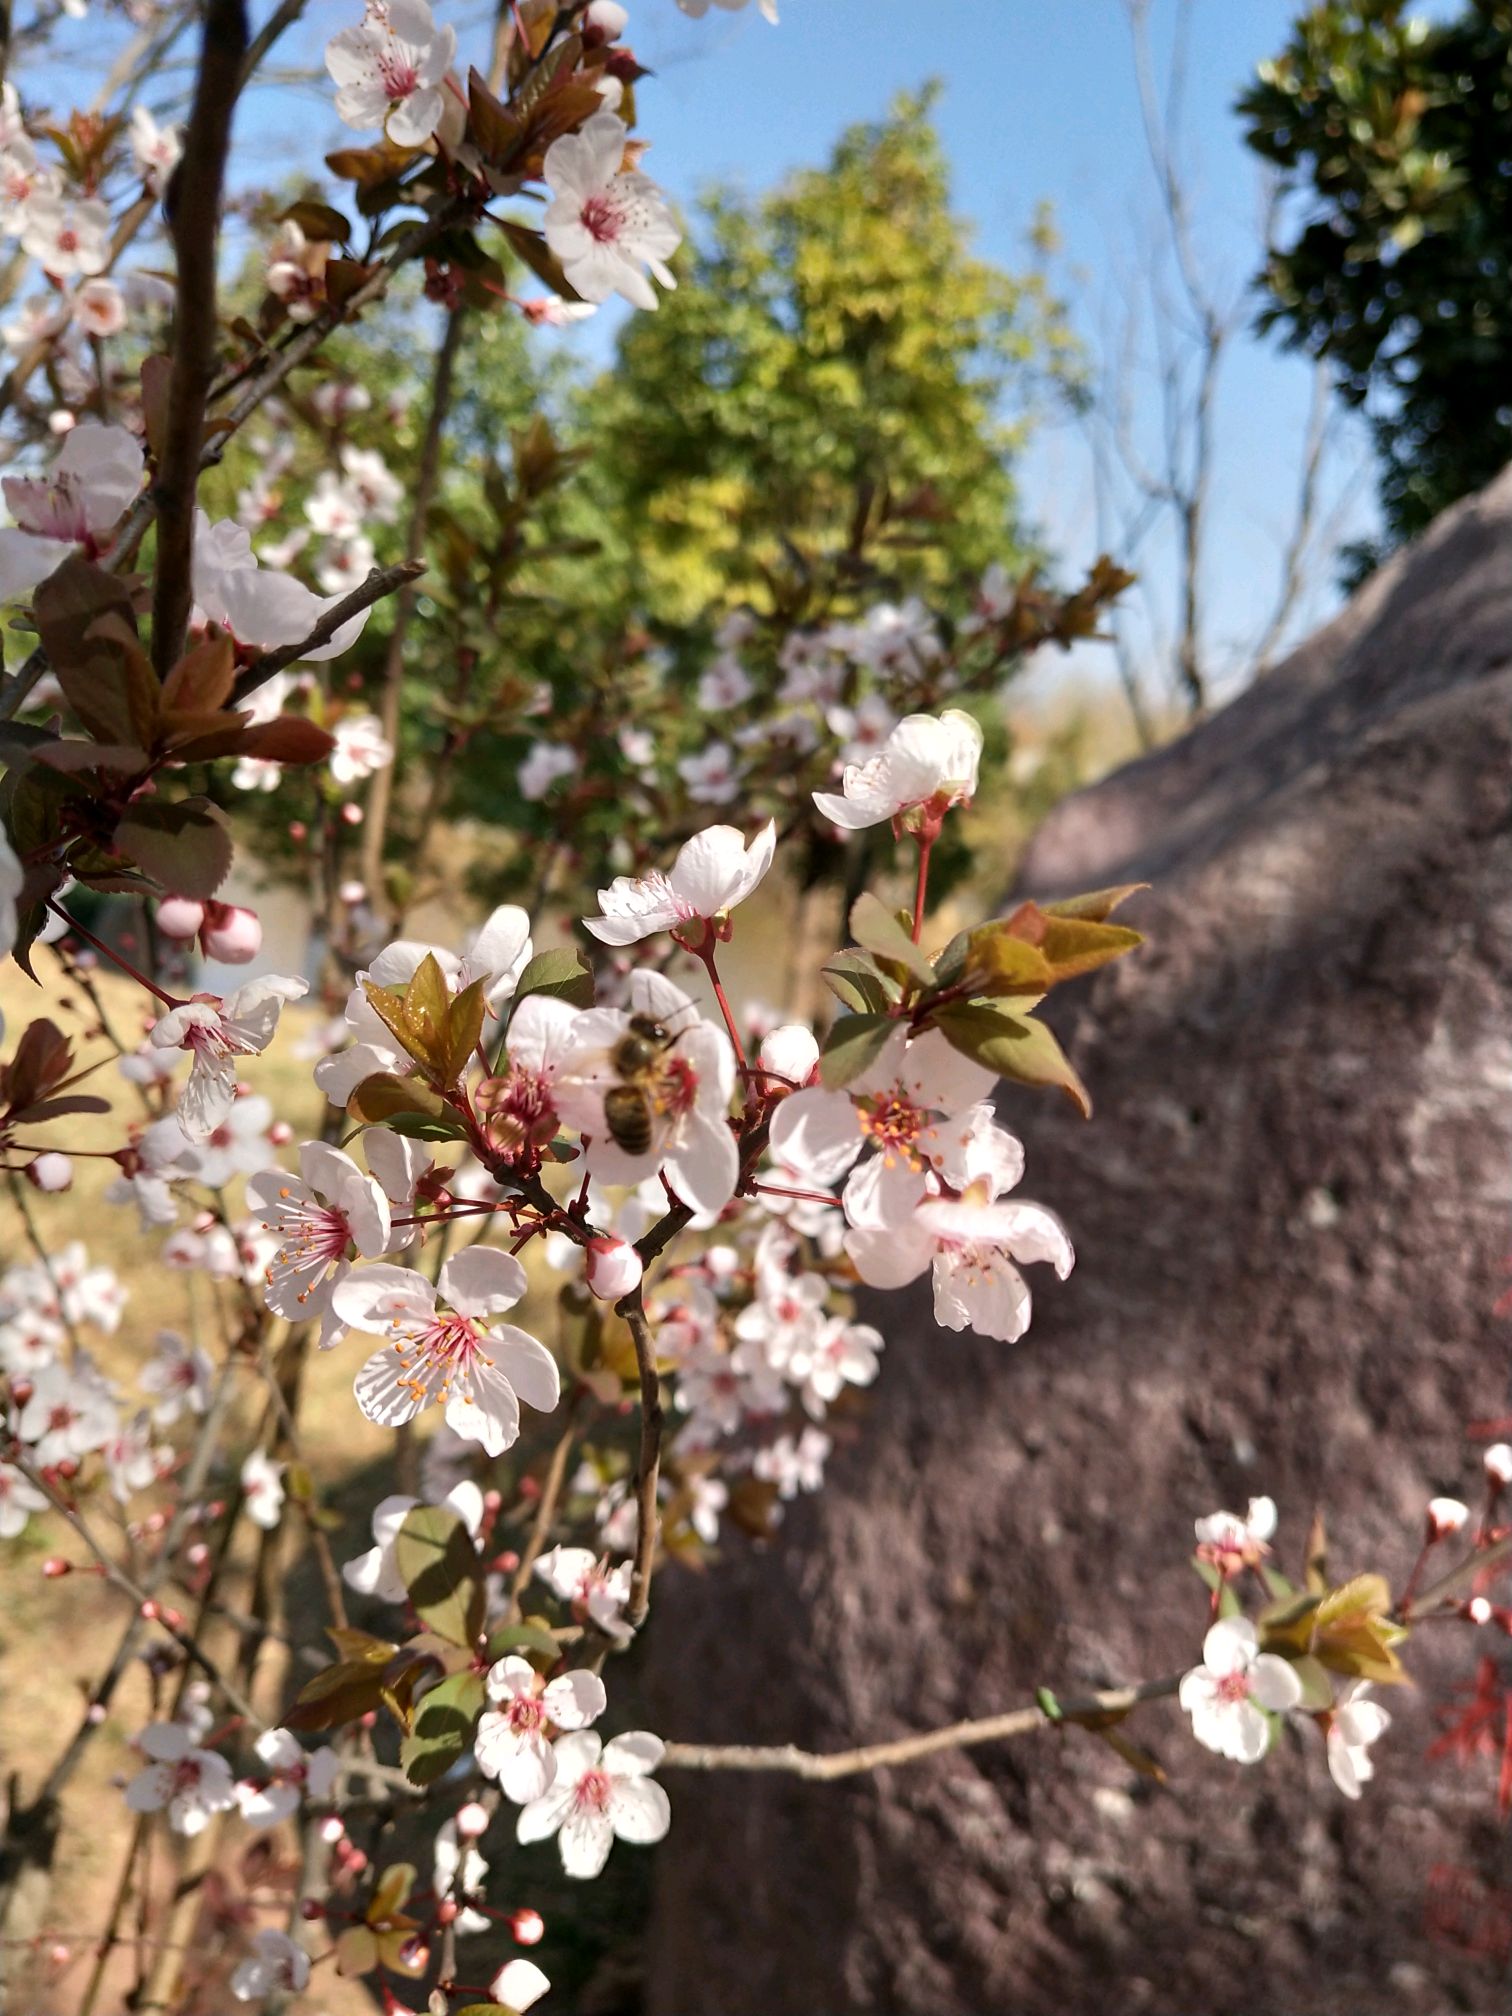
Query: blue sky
x=1038, y=104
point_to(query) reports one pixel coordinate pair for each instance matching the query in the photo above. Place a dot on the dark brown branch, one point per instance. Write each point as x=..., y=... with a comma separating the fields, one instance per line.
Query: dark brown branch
x=648, y=1467
x=382, y=581
x=194, y=204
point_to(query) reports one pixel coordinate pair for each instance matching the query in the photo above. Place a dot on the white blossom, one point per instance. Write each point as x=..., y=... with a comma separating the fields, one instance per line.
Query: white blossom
x=601, y=1793
x=1236, y=1681
x=605, y=221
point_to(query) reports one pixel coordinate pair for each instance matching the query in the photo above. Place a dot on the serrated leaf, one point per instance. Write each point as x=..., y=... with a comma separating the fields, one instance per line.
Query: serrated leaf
x=853, y=1042
x=876, y=927
x=185, y=845
x=416, y=1015
x=1016, y=1046
x=1097, y=904
x=464, y=1026
x=1001, y=963
x=438, y=1564
x=1069, y=946
x=562, y=973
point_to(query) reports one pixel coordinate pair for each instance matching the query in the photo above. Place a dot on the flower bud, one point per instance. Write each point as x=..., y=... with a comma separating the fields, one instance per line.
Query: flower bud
x=180, y=917
x=230, y=934
x=298, y=832
x=1445, y=1516
x=53, y=1171
x=528, y=1927
x=311, y=1909
x=605, y=21
x=1498, y=1462
x=1478, y=1610
x=352, y=814
x=280, y=1134
x=447, y=1911
x=332, y=1829
x=55, y=1567
x=791, y=1052
x=472, y=1820
x=614, y=1269
x=352, y=893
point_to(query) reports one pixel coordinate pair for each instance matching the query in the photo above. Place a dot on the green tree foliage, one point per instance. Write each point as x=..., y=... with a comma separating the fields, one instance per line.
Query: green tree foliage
x=1393, y=137
x=835, y=350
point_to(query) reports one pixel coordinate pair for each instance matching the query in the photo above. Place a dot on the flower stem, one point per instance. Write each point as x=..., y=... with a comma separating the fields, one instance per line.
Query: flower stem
x=115, y=958
x=705, y=953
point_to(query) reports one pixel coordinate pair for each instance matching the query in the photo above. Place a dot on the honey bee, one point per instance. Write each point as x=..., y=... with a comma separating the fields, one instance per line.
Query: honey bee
x=629, y=1108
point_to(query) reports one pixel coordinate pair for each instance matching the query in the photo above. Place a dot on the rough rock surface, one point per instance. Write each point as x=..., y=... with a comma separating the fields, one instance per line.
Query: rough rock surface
x=1291, y=1207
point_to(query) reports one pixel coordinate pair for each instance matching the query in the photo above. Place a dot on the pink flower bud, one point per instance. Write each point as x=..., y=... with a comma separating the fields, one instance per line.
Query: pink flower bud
x=528, y=1927
x=447, y=1911
x=1478, y=1610
x=298, y=832
x=472, y=1820
x=1498, y=1462
x=280, y=1134
x=352, y=814
x=331, y=1829
x=614, y=1269
x=55, y=1567
x=1445, y=1516
x=352, y=893
x=180, y=917
x=230, y=934
x=53, y=1171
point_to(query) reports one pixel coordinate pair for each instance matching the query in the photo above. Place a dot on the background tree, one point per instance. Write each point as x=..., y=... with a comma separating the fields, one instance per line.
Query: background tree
x=1393, y=137
x=834, y=350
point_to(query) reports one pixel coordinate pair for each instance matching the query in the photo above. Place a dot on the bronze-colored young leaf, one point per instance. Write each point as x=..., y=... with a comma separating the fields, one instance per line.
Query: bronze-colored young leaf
x=416, y=1016
x=183, y=844
x=1097, y=905
x=876, y=927
x=998, y=961
x=201, y=681
x=464, y=1026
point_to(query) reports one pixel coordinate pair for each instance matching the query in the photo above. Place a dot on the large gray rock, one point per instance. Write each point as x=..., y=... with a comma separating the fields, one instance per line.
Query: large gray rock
x=1291, y=1209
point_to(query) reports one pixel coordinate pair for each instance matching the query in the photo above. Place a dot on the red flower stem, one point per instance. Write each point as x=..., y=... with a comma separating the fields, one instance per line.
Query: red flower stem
x=921, y=888
x=803, y=1196
x=115, y=958
x=705, y=953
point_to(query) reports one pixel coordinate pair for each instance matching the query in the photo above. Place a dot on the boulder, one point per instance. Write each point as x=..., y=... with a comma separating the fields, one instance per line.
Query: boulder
x=1291, y=1209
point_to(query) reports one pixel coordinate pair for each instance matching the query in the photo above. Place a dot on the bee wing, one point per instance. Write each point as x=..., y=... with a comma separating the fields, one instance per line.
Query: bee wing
x=654, y=995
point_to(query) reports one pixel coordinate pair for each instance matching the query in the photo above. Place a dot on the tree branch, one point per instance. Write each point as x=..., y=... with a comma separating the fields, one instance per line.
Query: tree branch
x=789, y=1760
x=195, y=201
x=382, y=581
x=648, y=1467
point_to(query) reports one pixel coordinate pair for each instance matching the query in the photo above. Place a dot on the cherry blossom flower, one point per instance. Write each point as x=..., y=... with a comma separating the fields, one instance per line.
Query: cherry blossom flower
x=239, y=1146
x=291, y=1775
x=1231, y=1542
x=794, y=1465
x=458, y=1871
x=687, y=1086
x=478, y=1369
x=518, y=1985
x=68, y=1412
x=842, y=1354
x=179, y=1376
x=296, y=271
x=606, y=221
x=724, y=685
x=19, y=1498
x=552, y=312
x=216, y=1033
x=261, y=607
x=601, y=1793
x=99, y=308
x=23, y=179
x=928, y=764
x=1226, y=1694
x=721, y=1389
x=155, y=149
x=970, y=1243
x=77, y=503
x=330, y=1206
x=1445, y=1517
x=189, y=1783
x=1353, y=1725
x=391, y=71
x=598, y=1592
x=376, y=1573
x=711, y=776
x=67, y=237
x=131, y=1461
x=707, y=1498
x=713, y=872
x=276, y=1965
x=262, y=1489
x=545, y=765
x=360, y=748
x=511, y=1741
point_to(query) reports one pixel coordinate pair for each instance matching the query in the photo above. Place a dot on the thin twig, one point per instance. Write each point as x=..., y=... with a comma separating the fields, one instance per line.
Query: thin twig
x=382, y=581
x=551, y=1491
x=788, y=1759
x=648, y=1468
x=195, y=227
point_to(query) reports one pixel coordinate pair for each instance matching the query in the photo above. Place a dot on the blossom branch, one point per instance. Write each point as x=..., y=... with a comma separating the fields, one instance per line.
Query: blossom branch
x=793, y=1762
x=195, y=201
x=382, y=581
x=648, y=1467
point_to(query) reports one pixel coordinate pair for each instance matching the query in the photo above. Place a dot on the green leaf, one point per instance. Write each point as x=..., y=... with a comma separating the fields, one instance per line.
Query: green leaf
x=438, y=1564
x=852, y=978
x=1015, y=1046
x=876, y=927
x=562, y=973
x=379, y=1098
x=185, y=846
x=853, y=1042
x=446, y=1721
x=522, y=1638
x=1096, y=905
